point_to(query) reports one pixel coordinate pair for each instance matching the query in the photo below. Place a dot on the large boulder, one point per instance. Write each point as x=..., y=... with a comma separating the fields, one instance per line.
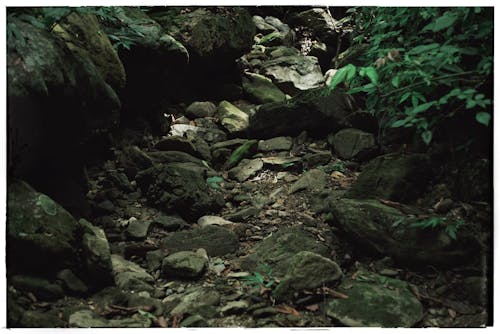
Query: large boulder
x=260, y=89
x=353, y=143
x=375, y=301
x=179, y=187
x=400, y=178
x=376, y=227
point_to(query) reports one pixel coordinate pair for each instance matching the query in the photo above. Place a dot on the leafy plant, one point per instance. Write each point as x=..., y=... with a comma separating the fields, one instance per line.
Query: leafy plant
x=213, y=182
x=450, y=227
x=264, y=280
x=419, y=74
x=240, y=152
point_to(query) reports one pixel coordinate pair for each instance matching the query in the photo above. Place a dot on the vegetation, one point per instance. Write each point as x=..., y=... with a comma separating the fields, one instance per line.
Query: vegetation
x=422, y=66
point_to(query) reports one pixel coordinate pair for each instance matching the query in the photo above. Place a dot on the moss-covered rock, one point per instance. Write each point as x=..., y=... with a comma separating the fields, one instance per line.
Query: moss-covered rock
x=184, y=264
x=353, y=143
x=232, y=118
x=375, y=301
x=394, y=177
x=260, y=89
x=130, y=276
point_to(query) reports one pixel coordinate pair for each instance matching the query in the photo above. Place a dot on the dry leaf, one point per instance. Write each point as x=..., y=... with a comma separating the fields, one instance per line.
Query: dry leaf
x=287, y=310
x=161, y=322
x=452, y=313
x=312, y=308
x=176, y=320
x=335, y=294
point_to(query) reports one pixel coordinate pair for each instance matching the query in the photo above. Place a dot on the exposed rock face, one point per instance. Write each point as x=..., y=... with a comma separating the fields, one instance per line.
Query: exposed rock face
x=378, y=301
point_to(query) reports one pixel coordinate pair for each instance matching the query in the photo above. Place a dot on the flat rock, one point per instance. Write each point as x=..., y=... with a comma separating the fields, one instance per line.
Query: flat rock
x=217, y=241
x=245, y=169
x=192, y=301
x=201, y=109
x=307, y=270
x=314, y=179
x=276, y=144
x=353, y=143
x=210, y=135
x=213, y=220
x=260, y=89
x=375, y=301
x=130, y=276
x=138, y=229
x=177, y=143
x=185, y=264
x=234, y=307
x=280, y=161
x=232, y=118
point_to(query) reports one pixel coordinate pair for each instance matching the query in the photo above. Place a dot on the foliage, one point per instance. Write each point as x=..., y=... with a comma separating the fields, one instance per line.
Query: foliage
x=450, y=227
x=240, y=152
x=213, y=182
x=264, y=280
x=422, y=65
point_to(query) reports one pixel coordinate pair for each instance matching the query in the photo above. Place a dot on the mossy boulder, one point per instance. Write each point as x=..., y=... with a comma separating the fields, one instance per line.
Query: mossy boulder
x=231, y=117
x=179, y=187
x=400, y=178
x=375, y=301
x=386, y=230
x=260, y=89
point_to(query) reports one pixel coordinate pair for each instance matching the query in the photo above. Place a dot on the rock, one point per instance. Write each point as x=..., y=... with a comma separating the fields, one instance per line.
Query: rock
x=210, y=135
x=194, y=321
x=260, y=89
x=234, y=307
x=120, y=180
x=383, y=229
x=375, y=301
x=393, y=177
x=41, y=235
x=138, y=229
x=88, y=319
x=201, y=109
x=106, y=207
x=177, y=143
x=71, y=282
x=154, y=259
x=195, y=300
x=248, y=148
x=245, y=169
x=210, y=33
x=312, y=180
x=217, y=241
x=179, y=187
x=281, y=161
x=213, y=220
x=307, y=271
x=130, y=276
x=262, y=26
x=169, y=223
x=97, y=255
x=135, y=160
x=243, y=214
x=319, y=22
x=40, y=319
x=145, y=302
x=265, y=312
x=278, y=250
x=276, y=144
x=82, y=35
x=40, y=287
x=166, y=157
x=232, y=118
x=184, y=264
x=318, y=158
x=353, y=144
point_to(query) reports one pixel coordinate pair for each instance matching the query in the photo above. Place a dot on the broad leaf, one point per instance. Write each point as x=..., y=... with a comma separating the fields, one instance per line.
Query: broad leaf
x=483, y=118
x=442, y=22
x=427, y=136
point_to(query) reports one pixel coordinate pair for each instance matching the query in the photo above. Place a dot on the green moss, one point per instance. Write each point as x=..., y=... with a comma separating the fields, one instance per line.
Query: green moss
x=47, y=204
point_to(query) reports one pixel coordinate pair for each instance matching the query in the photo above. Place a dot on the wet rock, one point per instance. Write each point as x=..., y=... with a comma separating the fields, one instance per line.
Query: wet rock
x=307, y=271
x=195, y=300
x=185, y=264
x=41, y=235
x=386, y=230
x=375, y=301
x=278, y=250
x=201, y=109
x=71, y=282
x=179, y=187
x=97, y=255
x=353, y=144
x=217, y=241
x=276, y=144
x=245, y=169
x=130, y=276
x=40, y=287
x=232, y=118
x=260, y=89
x=138, y=229
x=393, y=177
x=194, y=321
x=234, y=307
x=40, y=319
x=312, y=180
x=213, y=220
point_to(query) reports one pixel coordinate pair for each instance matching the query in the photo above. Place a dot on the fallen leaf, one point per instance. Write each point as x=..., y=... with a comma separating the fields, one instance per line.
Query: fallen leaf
x=452, y=313
x=161, y=322
x=312, y=308
x=287, y=310
x=335, y=294
x=176, y=320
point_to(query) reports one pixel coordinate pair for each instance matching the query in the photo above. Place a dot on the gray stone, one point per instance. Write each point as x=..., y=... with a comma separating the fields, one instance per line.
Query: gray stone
x=265, y=312
x=245, y=169
x=194, y=321
x=262, y=25
x=40, y=319
x=307, y=271
x=243, y=214
x=276, y=144
x=138, y=229
x=281, y=161
x=312, y=180
x=234, y=307
x=184, y=264
x=210, y=135
x=130, y=276
x=165, y=157
x=278, y=250
x=318, y=158
x=169, y=223
x=71, y=282
x=217, y=241
x=260, y=89
x=319, y=21
x=88, y=319
x=40, y=287
x=192, y=301
x=396, y=178
x=375, y=301
x=213, y=220
x=353, y=143
x=177, y=143
x=232, y=119
x=201, y=109
x=154, y=259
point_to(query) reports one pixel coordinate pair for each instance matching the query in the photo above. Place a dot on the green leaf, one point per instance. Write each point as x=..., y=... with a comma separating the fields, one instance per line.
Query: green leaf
x=421, y=108
x=259, y=277
x=371, y=101
x=483, y=118
x=442, y=22
x=418, y=50
x=399, y=123
x=372, y=74
x=338, y=78
x=405, y=97
x=350, y=72
x=427, y=136
x=213, y=182
x=395, y=81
